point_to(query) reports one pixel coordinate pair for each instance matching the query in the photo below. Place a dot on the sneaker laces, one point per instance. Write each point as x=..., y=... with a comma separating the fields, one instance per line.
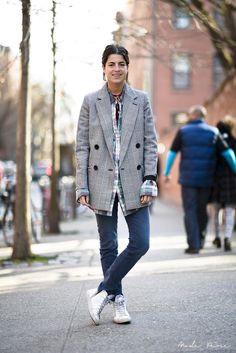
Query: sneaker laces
x=120, y=305
x=102, y=305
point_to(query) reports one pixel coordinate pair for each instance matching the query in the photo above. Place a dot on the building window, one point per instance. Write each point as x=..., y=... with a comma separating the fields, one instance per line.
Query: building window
x=218, y=71
x=181, y=71
x=179, y=118
x=181, y=18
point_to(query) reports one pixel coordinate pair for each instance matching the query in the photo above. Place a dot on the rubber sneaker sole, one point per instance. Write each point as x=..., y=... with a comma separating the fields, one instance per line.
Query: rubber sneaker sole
x=122, y=321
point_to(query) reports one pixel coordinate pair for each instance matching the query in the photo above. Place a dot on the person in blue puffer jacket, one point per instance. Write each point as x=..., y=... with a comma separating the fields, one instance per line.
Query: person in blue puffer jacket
x=199, y=145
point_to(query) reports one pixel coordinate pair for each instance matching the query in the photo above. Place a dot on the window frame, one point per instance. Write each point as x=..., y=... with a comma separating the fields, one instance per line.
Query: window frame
x=175, y=73
x=174, y=115
x=176, y=18
x=217, y=77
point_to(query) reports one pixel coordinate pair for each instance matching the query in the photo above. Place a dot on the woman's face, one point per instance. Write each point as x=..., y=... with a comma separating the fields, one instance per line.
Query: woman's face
x=115, y=69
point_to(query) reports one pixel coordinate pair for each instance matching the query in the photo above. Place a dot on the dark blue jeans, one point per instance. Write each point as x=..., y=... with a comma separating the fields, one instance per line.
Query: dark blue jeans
x=195, y=202
x=115, y=266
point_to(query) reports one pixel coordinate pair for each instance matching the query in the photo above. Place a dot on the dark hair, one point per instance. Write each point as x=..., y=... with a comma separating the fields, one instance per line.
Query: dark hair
x=115, y=49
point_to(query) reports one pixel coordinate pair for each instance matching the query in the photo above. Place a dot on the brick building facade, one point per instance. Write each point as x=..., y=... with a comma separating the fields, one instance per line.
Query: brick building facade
x=172, y=58
x=223, y=101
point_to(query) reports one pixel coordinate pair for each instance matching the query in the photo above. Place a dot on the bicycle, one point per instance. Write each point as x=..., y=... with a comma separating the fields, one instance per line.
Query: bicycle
x=7, y=219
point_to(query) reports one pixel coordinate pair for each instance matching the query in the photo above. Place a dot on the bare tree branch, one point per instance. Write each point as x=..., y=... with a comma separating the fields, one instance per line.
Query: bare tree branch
x=224, y=43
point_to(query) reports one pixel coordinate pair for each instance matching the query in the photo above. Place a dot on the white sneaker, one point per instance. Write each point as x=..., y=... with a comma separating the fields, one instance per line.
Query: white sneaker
x=121, y=314
x=96, y=303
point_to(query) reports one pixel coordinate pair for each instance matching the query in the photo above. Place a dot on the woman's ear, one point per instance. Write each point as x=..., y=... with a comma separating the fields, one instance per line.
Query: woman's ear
x=104, y=76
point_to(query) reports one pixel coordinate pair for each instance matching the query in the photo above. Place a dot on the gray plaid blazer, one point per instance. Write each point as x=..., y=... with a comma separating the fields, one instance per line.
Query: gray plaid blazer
x=94, y=147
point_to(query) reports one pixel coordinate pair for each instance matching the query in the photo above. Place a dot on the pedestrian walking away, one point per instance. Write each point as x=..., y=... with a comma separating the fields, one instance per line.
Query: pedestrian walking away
x=116, y=159
x=199, y=145
x=224, y=192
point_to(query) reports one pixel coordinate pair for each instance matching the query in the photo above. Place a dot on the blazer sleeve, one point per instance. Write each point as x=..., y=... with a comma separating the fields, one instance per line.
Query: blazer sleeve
x=150, y=142
x=82, y=148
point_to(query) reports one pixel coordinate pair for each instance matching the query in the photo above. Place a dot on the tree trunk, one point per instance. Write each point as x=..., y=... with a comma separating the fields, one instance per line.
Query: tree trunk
x=54, y=212
x=22, y=235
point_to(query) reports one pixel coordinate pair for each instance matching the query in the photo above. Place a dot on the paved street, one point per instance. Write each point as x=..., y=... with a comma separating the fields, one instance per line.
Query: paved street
x=178, y=302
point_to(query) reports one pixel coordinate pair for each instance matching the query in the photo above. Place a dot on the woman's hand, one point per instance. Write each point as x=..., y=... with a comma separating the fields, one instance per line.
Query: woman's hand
x=146, y=199
x=84, y=200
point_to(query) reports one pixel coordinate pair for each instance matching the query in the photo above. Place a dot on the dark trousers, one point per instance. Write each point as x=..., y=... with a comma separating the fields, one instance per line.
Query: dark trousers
x=115, y=266
x=195, y=202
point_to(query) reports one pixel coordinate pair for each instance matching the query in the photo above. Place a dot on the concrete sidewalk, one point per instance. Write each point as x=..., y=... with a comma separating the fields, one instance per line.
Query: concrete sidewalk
x=178, y=302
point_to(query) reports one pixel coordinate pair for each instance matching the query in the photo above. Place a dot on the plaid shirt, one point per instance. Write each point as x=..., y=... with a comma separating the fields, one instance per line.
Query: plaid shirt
x=117, y=113
x=148, y=188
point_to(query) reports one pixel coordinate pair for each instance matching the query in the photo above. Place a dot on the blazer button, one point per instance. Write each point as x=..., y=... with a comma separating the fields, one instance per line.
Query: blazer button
x=137, y=145
x=139, y=167
x=95, y=167
x=96, y=147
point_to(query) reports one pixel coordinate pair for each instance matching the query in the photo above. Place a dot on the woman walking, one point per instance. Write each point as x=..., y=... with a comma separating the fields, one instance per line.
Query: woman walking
x=224, y=193
x=116, y=153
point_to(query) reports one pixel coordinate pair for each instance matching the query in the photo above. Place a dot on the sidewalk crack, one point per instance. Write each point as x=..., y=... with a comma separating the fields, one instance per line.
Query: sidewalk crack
x=69, y=331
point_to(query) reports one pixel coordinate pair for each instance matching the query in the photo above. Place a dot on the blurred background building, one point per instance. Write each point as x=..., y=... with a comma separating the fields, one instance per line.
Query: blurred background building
x=41, y=110
x=9, y=84
x=173, y=59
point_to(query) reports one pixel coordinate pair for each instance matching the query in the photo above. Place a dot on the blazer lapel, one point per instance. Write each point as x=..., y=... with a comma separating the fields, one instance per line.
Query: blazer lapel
x=103, y=105
x=130, y=110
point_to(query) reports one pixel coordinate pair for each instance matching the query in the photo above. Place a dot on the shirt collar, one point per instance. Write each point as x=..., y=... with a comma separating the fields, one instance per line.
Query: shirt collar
x=121, y=96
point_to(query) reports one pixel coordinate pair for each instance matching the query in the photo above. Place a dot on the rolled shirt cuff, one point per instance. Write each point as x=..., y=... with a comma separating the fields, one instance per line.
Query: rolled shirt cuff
x=81, y=192
x=149, y=188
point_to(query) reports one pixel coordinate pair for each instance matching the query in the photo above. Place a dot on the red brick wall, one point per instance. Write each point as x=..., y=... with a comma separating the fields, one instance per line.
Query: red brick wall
x=191, y=41
x=169, y=191
x=156, y=71
x=223, y=101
